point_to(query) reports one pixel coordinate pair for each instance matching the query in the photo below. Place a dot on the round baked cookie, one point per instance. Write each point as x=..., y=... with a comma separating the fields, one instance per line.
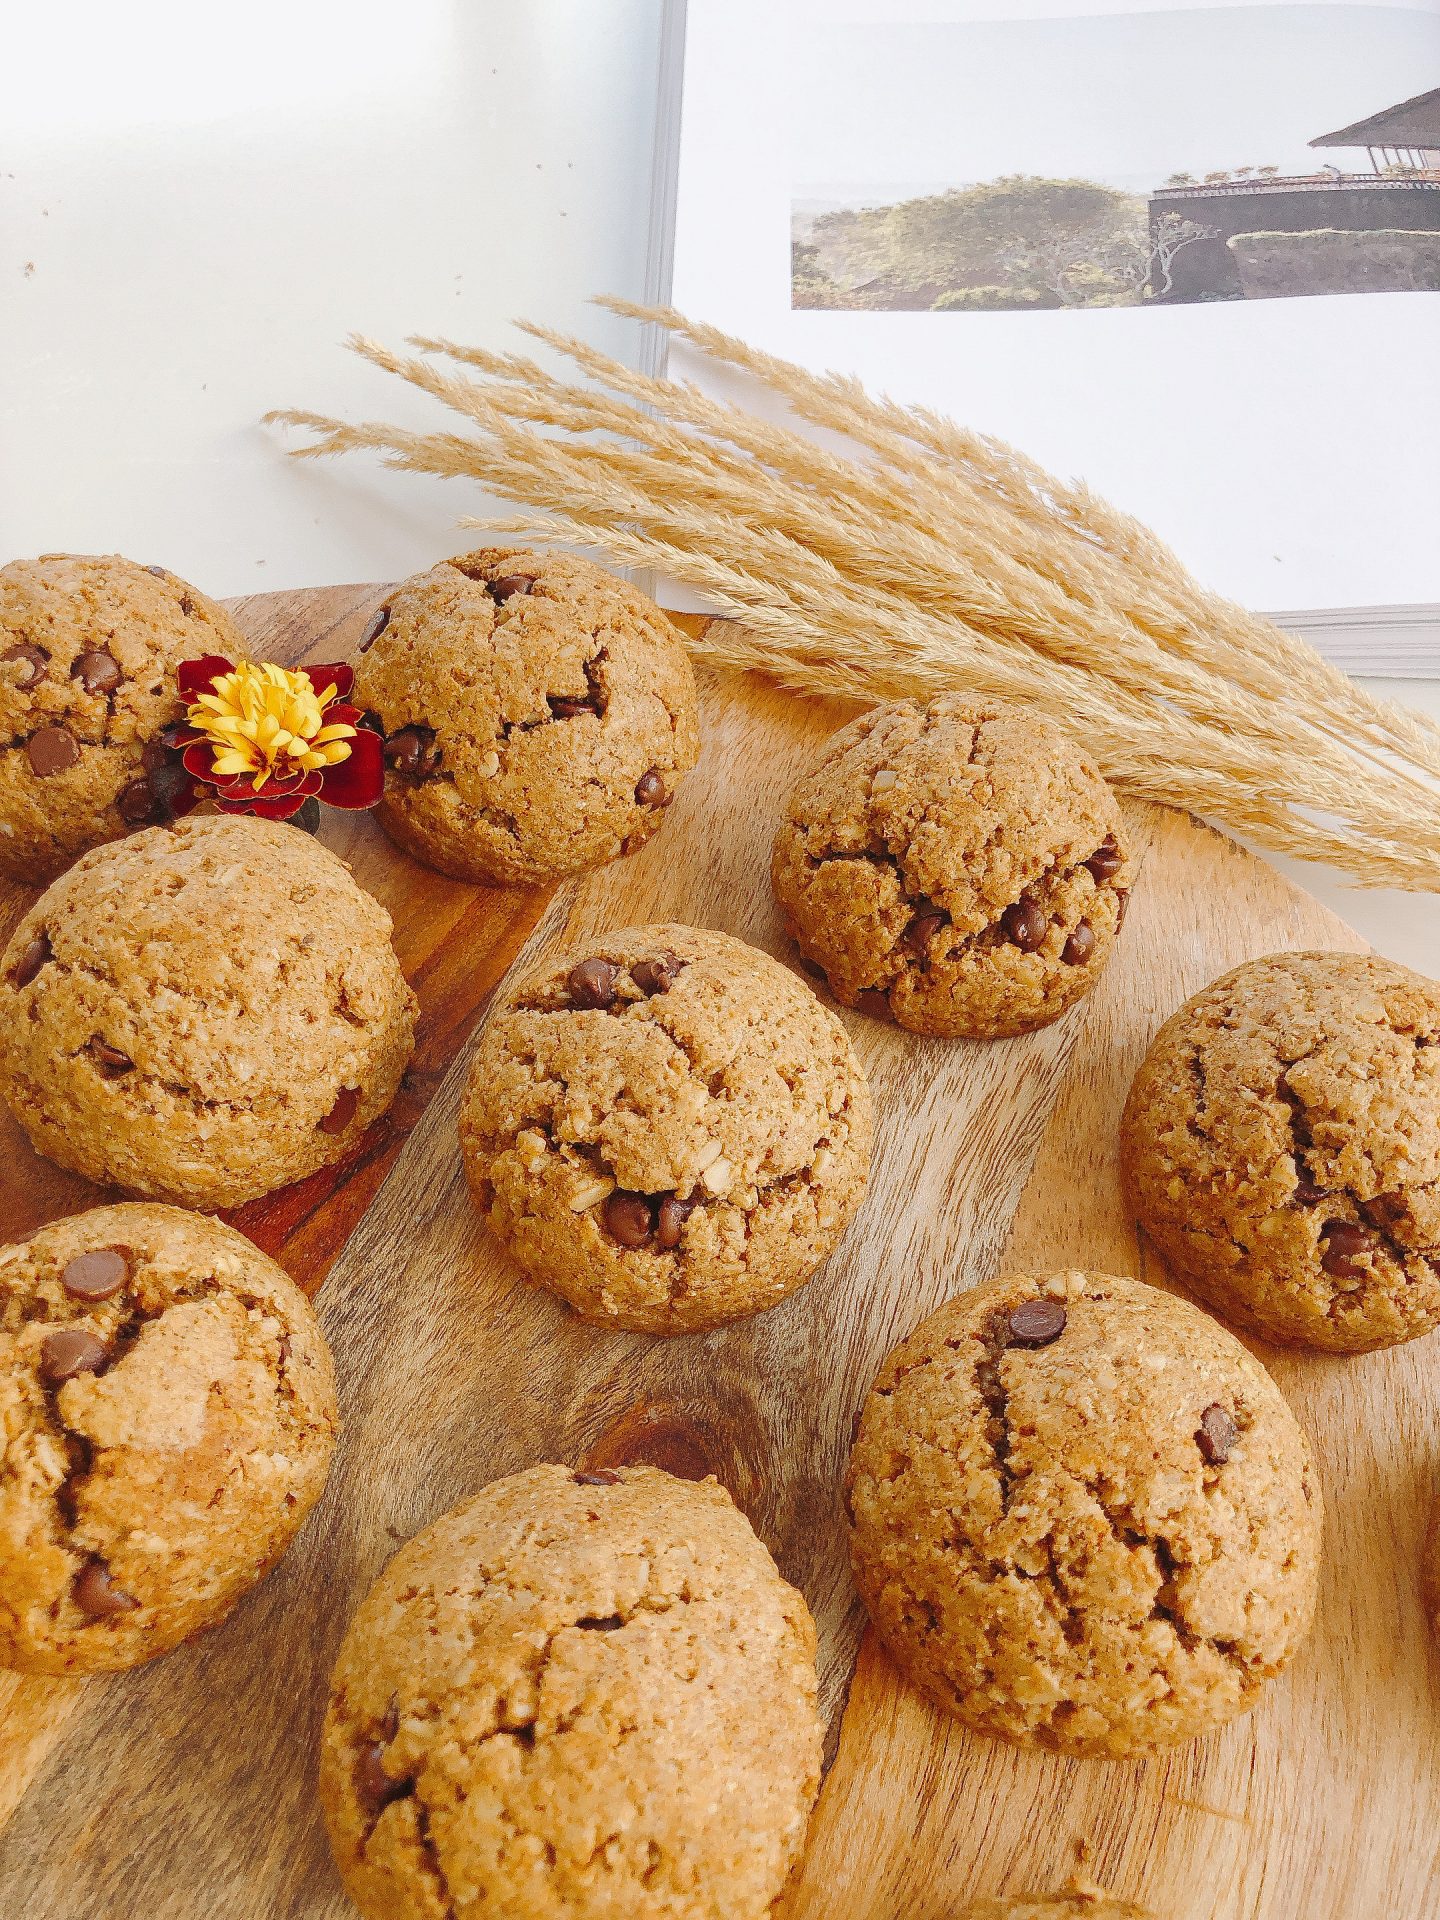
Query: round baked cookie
x=168, y=1408
x=538, y=715
x=666, y=1128
x=89, y=647
x=204, y=1012
x=1083, y=1517
x=959, y=866
x=1281, y=1147
x=578, y=1695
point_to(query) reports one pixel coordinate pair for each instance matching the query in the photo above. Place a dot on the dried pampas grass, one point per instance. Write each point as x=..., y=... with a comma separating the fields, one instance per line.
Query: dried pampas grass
x=928, y=558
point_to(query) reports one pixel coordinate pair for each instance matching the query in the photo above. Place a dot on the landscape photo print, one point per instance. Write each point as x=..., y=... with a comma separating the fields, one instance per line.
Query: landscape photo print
x=1152, y=158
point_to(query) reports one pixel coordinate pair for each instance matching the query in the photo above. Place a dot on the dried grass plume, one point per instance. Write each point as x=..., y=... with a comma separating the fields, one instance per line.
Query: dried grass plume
x=926, y=557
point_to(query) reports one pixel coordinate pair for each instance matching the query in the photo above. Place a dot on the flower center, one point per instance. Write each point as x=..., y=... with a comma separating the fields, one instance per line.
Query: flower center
x=268, y=722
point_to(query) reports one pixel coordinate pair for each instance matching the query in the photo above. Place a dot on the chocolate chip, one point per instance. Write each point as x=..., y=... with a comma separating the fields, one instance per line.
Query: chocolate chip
x=1385, y=1211
x=374, y=1787
x=36, y=659
x=70, y=1351
x=928, y=921
x=670, y=1221
x=32, y=960
x=1107, y=859
x=160, y=751
x=650, y=790
x=1122, y=906
x=371, y=722
x=1345, y=1245
x=563, y=708
x=376, y=627
x=51, y=750
x=97, y=672
x=1215, y=1435
x=96, y=1593
x=592, y=983
x=113, y=1064
x=595, y=1623
x=411, y=752
x=1079, y=947
x=96, y=1275
x=1035, y=1323
x=1307, y=1194
x=601, y=1477
x=168, y=785
x=159, y=572
x=343, y=1111
x=874, y=1001
x=137, y=805
x=657, y=976
x=1025, y=925
x=629, y=1218
x=507, y=586
x=390, y=1725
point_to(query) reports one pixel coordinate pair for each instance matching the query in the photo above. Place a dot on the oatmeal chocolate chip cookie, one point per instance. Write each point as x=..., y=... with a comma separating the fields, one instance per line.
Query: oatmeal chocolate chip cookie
x=666, y=1128
x=1281, y=1147
x=959, y=866
x=576, y=1695
x=1083, y=1517
x=89, y=648
x=202, y=1013
x=538, y=715
x=168, y=1413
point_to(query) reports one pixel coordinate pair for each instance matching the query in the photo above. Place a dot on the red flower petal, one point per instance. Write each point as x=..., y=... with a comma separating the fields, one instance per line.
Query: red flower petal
x=359, y=780
x=183, y=802
x=341, y=677
x=278, y=807
x=198, y=761
x=195, y=676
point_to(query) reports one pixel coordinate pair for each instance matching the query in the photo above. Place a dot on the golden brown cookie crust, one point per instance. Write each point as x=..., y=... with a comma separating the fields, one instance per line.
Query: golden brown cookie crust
x=575, y=1696
x=1098, y=1544
x=959, y=866
x=60, y=617
x=562, y=715
x=202, y=1013
x=182, y=1467
x=731, y=1098
x=1281, y=1147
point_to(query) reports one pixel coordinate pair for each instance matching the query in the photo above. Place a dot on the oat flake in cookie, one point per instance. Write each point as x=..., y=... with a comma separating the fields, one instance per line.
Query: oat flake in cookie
x=576, y=1697
x=169, y=1414
x=959, y=867
x=89, y=647
x=1097, y=1535
x=538, y=715
x=666, y=1128
x=1281, y=1147
x=202, y=1013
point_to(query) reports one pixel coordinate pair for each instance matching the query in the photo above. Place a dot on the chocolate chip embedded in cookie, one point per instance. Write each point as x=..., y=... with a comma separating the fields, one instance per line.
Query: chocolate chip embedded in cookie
x=959, y=867
x=1281, y=1148
x=630, y=1689
x=89, y=648
x=202, y=1013
x=666, y=1128
x=170, y=1420
x=1097, y=1534
x=538, y=715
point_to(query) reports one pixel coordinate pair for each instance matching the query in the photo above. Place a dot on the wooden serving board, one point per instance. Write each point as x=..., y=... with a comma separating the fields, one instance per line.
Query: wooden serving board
x=185, y=1790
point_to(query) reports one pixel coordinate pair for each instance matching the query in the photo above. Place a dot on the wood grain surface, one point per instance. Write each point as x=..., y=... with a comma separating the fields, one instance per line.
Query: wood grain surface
x=184, y=1791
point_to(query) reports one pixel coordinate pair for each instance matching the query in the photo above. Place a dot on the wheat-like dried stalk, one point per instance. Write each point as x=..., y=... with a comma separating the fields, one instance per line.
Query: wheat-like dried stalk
x=927, y=558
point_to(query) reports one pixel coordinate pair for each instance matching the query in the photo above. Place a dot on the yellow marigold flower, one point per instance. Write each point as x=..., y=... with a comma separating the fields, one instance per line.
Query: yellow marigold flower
x=268, y=722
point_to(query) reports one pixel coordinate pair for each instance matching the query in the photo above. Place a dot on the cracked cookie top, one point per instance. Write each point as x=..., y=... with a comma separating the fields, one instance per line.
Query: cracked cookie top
x=666, y=1128
x=202, y=1013
x=1281, y=1146
x=89, y=647
x=578, y=1694
x=1083, y=1517
x=538, y=714
x=168, y=1414
x=959, y=867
